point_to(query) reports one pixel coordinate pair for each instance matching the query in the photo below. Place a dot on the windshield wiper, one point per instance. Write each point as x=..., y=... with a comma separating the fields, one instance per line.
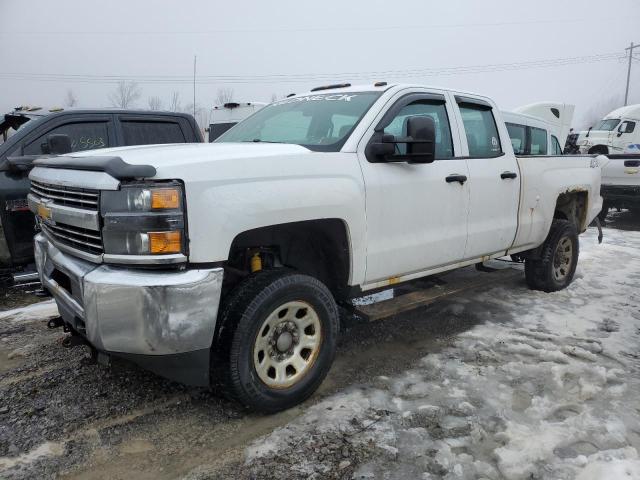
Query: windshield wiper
x=257, y=140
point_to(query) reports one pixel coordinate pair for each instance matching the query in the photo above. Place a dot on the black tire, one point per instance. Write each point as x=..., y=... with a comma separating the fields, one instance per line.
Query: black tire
x=245, y=310
x=539, y=273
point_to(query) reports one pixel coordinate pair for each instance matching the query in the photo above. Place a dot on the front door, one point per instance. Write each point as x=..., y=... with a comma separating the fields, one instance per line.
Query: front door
x=416, y=213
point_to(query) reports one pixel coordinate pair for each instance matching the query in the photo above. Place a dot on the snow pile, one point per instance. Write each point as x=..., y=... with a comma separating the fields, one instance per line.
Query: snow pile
x=37, y=311
x=551, y=393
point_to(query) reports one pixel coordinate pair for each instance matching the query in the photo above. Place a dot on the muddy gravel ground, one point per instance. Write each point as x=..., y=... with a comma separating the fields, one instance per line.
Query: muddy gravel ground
x=62, y=416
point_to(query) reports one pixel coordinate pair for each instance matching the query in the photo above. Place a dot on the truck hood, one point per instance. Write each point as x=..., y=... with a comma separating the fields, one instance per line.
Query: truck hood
x=169, y=159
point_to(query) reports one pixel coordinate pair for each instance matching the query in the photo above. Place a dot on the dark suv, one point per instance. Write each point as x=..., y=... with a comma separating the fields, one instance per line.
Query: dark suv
x=87, y=130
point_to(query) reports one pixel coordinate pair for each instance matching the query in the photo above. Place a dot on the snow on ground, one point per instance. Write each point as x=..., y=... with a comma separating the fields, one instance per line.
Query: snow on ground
x=37, y=311
x=550, y=390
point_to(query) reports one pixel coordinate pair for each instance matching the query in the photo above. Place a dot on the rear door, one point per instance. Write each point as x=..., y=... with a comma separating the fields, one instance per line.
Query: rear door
x=494, y=181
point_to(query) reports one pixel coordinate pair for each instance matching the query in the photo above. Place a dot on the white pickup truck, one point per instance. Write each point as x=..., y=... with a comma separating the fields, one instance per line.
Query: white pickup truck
x=227, y=261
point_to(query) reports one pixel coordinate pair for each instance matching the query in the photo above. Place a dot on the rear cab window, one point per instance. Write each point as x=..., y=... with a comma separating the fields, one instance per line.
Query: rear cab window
x=538, y=144
x=150, y=132
x=555, y=146
x=518, y=136
x=483, y=139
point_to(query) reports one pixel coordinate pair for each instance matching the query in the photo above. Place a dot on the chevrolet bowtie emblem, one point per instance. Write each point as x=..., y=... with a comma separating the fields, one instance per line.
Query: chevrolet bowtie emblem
x=44, y=211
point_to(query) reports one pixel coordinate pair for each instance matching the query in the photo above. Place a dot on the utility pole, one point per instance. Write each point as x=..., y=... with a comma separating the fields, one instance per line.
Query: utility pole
x=194, y=85
x=626, y=92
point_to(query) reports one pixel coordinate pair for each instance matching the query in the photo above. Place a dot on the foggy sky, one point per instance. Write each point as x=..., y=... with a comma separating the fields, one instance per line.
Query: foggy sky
x=248, y=39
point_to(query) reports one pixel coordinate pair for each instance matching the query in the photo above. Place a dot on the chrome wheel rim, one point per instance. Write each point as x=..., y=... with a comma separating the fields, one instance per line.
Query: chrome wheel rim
x=287, y=344
x=562, y=259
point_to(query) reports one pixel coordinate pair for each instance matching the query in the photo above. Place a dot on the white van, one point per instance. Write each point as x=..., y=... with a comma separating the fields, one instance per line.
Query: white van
x=614, y=134
x=539, y=132
x=223, y=117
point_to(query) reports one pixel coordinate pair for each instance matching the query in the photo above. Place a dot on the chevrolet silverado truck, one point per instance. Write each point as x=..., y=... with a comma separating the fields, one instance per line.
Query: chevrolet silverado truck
x=225, y=263
x=87, y=130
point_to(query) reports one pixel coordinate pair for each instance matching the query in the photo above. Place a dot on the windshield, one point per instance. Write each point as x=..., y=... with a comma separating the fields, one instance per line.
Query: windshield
x=319, y=122
x=608, y=125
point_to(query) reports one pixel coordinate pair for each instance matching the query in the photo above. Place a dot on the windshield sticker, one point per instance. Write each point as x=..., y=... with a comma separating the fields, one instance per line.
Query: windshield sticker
x=338, y=97
x=494, y=144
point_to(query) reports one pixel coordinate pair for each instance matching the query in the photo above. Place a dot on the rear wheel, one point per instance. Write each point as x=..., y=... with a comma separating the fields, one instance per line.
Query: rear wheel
x=556, y=266
x=283, y=339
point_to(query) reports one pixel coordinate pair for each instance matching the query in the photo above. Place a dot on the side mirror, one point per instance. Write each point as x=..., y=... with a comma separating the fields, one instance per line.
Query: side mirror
x=57, y=144
x=384, y=148
x=421, y=141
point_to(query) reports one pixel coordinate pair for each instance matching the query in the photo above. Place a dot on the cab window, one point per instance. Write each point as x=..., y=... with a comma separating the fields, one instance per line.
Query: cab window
x=518, y=136
x=555, y=146
x=481, y=130
x=137, y=132
x=83, y=135
x=426, y=108
x=627, y=127
x=538, y=141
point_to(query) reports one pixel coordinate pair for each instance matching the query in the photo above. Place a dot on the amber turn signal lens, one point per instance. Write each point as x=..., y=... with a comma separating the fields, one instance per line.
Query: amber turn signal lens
x=165, y=242
x=165, y=198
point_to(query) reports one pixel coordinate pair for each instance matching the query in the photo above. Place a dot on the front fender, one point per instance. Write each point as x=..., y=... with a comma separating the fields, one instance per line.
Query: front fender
x=274, y=192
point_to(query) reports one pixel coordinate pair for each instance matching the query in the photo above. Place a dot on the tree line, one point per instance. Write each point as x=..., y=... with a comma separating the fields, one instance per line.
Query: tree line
x=128, y=94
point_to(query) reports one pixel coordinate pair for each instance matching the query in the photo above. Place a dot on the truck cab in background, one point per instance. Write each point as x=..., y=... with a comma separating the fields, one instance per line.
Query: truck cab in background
x=26, y=132
x=539, y=128
x=615, y=132
x=225, y=116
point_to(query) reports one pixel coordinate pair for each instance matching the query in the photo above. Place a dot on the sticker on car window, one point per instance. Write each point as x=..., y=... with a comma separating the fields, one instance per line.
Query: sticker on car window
x=338, y=97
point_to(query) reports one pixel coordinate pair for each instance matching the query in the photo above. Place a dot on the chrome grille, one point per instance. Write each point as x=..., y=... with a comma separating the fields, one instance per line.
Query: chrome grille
x=72, y=197
x=80, y=238
x=83, y=239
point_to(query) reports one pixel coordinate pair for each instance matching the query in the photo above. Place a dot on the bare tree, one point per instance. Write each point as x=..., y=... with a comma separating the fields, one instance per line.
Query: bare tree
x=125, y=94
x=599, y=110
x=174, y=102
x=155, y=103
x=274, y=97
x=70, y=100
x=224, y=95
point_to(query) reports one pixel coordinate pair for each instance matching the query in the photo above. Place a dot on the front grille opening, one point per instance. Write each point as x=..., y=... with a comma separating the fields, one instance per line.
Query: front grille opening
x=80, y=238
x=68, y=196
x=62, y=279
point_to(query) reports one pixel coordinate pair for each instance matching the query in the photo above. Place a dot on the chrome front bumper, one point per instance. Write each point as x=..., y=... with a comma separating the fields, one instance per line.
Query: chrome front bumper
x=138, y=314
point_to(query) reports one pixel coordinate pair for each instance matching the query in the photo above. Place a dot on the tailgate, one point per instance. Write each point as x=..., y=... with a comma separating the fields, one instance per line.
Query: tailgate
x=622, y=170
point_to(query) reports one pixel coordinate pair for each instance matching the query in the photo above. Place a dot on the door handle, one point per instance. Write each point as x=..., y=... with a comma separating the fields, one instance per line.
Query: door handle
x=505, y=175
x=455, y=177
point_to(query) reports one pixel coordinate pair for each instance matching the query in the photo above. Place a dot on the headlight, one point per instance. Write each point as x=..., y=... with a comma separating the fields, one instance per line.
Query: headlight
x=144, y=219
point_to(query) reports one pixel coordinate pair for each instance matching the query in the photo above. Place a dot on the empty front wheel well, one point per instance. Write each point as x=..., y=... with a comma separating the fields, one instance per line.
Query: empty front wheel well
x=319, y=248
